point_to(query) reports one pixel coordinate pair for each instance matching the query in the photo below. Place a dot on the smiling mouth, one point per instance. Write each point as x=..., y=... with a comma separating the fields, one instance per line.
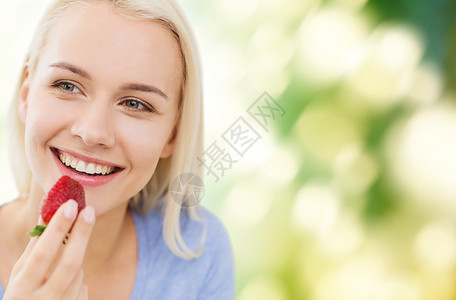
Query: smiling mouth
x=82, y=167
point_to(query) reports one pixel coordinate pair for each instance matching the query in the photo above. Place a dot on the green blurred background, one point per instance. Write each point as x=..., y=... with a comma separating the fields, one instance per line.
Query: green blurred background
x=351, y=195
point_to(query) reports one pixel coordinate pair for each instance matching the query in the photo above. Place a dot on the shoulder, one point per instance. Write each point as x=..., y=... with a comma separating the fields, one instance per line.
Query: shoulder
x=217, y=237
x=209, y=276
x=218, y=282
x=207, y=227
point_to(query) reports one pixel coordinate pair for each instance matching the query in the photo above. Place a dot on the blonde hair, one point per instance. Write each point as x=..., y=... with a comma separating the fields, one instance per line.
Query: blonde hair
x=189, y=138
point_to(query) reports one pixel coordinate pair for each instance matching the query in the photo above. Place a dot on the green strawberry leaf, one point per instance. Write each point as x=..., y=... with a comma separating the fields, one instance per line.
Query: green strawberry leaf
x=37, y=231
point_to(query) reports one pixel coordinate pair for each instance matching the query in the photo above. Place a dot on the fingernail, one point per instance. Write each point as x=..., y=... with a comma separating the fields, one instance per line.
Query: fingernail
x=88, y=214
x=71, y=209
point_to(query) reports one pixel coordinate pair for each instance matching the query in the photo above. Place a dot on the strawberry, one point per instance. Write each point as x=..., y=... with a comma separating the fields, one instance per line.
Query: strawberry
x=63, y=190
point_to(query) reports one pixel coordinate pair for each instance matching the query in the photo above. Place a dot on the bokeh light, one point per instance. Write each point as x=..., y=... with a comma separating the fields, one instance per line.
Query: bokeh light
x=381, y=75
x=423, y=157
x=328, y=41
x=436, y=258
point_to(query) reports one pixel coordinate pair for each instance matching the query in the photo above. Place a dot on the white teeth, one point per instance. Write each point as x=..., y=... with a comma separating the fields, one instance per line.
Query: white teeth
x=98, y=169
x=74, y=163
x=82, y=166
x=90, y=168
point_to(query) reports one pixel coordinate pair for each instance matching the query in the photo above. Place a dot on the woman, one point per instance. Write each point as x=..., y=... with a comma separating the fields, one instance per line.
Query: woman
x=111, y=95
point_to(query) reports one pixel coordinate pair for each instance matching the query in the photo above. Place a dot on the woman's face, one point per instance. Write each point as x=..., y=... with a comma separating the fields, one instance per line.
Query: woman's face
x=102, y=103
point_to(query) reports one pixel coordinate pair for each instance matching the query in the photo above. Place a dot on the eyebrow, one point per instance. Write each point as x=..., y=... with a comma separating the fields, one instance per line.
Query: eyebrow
x=128, y=86
x=72, y=68
x=144, y=88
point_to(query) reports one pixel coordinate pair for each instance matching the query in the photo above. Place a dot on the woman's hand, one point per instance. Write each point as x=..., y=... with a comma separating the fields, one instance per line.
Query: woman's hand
x=49, y=269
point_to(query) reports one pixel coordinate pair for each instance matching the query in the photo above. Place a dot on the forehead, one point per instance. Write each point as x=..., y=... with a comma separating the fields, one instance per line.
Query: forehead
x=100, y=39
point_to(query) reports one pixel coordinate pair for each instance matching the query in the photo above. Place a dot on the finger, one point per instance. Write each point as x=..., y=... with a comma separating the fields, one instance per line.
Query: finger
x=73, y=289
x=46, y=247
x=31, y=243
x=74, y=251
x=22, y=260
x=83, y=292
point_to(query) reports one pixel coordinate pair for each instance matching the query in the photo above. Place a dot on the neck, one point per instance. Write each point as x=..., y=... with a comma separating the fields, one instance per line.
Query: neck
x=110, y=231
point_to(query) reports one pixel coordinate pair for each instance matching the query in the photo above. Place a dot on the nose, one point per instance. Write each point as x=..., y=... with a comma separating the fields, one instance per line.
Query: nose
x=93, y=125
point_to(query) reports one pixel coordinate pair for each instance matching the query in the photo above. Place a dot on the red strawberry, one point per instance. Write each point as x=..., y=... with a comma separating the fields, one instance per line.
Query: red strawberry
x=63, y=190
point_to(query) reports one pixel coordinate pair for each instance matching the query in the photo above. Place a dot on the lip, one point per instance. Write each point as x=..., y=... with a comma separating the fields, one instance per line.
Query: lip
x=85, y=180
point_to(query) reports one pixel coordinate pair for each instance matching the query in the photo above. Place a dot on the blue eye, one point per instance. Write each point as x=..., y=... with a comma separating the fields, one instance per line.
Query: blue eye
x=136, y=105
x=69, y=87
x=66, y=87
x=133, y=104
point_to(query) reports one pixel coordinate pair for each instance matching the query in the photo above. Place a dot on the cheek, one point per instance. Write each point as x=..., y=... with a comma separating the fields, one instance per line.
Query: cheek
x=39, y=119
x=41, y=124
x=144, y=141
x=143, y=144
x=42, y=121
x=142, y=148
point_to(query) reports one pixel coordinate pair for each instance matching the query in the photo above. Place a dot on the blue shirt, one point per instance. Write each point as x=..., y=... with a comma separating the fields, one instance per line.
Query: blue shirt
x=165, y=276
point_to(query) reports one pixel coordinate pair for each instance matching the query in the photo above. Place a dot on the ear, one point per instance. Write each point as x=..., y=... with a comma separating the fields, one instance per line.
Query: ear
x=169, y=147
x=23, y=94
